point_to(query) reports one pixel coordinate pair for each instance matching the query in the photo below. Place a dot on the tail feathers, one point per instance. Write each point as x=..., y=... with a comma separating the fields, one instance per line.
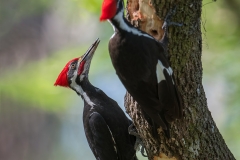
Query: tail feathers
x=155, y=116
x=156, y=121
x=167, y=130
x=155, y=133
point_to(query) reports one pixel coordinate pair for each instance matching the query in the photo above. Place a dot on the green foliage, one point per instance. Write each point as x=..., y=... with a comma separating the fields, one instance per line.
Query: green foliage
x=34, y=83
x=90, y=5
x=221, y=59
x=221, y=48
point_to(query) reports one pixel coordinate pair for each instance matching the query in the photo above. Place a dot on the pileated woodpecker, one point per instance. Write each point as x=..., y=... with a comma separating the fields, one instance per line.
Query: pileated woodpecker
x=105, y=124
x=142, y=67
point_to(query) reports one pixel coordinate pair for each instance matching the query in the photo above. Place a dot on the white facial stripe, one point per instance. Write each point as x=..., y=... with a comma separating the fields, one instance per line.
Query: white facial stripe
x=79, y=88
x=113, y=30
x=85, y=96
x=112, y=25
x=87, y=99
x=159, y=70
x=125, y=27
x=74, y=77
x=113, y=35
x=76, y=72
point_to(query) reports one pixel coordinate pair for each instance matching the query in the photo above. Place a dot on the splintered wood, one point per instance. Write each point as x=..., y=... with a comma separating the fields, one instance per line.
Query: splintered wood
x=142, y=14
x=143, y=11
x=162, y=156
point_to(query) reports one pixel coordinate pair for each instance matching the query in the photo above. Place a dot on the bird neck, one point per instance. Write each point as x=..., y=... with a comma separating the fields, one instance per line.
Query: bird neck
x=84, y=89
x=86, y=85
x=120, y=24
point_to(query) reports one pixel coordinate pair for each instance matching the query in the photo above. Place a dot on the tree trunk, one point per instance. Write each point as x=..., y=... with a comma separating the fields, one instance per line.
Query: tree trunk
x=196, y=136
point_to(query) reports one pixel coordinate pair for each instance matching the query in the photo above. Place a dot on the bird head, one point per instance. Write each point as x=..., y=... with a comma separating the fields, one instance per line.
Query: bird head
x=110, y=8
x=76, y=69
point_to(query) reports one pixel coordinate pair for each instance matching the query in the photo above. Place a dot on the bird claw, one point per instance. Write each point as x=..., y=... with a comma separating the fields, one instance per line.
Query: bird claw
x=142, y=150
x=138, y=144
x=132, y=130
x=168, y=23
x=168, y=17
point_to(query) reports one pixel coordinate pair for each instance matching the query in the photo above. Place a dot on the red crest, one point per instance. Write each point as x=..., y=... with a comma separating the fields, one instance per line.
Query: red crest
x=62, y=77
x=109, y=9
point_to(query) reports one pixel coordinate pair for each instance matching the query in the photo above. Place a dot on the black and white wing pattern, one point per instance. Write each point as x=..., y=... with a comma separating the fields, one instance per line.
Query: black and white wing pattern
x=102, y=143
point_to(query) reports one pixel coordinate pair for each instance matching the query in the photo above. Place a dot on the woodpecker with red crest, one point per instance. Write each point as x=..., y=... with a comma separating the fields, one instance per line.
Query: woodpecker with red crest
x=105, y=124
x=141, y=65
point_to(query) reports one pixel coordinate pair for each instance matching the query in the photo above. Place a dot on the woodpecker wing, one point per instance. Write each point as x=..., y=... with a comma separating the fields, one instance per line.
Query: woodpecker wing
x=102, y=143
x=158, y=89
x=167, y=91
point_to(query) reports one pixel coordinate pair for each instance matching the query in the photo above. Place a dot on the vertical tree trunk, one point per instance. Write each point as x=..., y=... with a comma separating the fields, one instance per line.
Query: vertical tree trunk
x=196, y=136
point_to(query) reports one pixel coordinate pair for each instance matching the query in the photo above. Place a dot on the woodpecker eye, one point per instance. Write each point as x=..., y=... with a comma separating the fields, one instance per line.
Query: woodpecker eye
x=73, y=66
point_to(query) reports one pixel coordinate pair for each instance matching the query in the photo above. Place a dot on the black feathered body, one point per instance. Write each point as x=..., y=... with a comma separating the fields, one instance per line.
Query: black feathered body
x=135, y=56
x=106, y=126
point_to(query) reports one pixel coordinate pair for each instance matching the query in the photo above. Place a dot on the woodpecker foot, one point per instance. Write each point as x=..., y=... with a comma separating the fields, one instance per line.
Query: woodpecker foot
x=143, y=150
x=167, y=21
x=166, y=24
x=168, y=17
x=132, y=130
x=138, y=144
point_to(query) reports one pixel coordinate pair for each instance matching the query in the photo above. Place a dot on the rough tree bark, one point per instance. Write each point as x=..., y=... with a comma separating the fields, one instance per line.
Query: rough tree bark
x=196, y=136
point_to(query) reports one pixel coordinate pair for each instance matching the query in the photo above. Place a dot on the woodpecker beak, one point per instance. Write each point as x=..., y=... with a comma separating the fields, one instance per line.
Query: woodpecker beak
x=89, y=54
x=85, y=60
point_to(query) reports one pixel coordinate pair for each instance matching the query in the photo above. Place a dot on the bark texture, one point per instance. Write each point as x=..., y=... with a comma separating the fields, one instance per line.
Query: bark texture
x=196, y=136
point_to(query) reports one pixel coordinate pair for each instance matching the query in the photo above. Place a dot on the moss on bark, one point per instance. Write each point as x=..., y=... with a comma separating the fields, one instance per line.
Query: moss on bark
x=196, y=136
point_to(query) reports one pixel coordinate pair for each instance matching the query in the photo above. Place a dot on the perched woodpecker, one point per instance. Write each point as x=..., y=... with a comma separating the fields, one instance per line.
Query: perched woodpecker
x=105, y=124
x=141, y=65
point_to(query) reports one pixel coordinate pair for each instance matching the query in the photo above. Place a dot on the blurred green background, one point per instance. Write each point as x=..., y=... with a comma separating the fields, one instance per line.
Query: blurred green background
x=37, y=38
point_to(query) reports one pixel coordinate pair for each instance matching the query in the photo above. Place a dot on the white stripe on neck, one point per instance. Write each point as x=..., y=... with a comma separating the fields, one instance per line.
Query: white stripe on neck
x=114, y=29
x=85, y=96
x=80, y=90
x=122, y=24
